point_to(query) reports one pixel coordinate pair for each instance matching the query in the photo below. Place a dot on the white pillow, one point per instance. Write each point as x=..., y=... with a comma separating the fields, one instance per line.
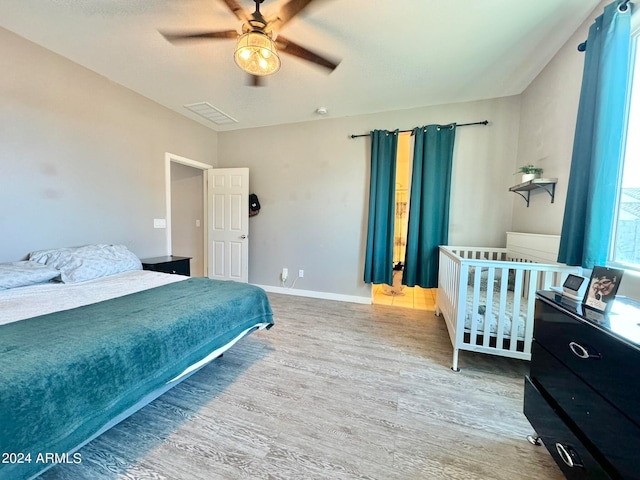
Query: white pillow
x=22, y=274
x=79, y=264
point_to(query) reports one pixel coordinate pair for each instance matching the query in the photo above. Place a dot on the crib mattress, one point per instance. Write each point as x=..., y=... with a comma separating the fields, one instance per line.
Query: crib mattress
x=478, y=318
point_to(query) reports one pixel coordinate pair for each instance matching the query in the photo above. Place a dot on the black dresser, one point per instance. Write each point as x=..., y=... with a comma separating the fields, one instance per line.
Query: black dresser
x=582, y=396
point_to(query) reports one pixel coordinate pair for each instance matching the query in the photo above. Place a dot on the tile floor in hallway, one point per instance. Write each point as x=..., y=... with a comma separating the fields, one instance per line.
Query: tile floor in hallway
x=412, y=297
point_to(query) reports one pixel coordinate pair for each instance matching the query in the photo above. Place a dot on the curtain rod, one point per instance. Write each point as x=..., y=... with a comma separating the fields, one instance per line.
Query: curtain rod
x=622, y=7
x=484, y=122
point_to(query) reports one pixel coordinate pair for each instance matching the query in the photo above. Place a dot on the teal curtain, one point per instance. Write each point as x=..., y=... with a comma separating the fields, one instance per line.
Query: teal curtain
x=429, y=203
x=598, y=141
x=382, y=190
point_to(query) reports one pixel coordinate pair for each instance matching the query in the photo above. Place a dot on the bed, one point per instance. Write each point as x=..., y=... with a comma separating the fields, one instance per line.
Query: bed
x=77, y=357
x=487, y=295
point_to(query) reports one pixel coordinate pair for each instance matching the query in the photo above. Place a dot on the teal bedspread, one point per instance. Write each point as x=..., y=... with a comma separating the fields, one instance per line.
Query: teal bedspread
x=64, y=375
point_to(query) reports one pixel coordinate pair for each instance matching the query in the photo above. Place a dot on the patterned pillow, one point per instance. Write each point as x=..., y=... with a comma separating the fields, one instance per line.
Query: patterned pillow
x=22, y=274
x=79, y=264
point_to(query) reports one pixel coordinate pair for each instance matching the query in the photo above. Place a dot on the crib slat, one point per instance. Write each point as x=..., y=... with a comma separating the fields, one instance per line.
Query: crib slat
x=528, y=324
x=475, y=305
x=462, y=302
x=548, y=279
x=488, y=314
x=515, y=313
x=504, y=283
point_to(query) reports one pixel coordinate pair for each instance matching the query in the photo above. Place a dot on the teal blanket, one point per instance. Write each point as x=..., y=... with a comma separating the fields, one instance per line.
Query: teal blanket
x=64, y=375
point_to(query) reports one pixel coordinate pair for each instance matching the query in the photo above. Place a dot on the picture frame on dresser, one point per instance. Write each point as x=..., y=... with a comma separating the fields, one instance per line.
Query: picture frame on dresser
x=602, y=289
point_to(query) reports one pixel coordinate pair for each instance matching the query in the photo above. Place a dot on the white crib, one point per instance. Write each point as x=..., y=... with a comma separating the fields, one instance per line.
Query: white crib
x=487, y=295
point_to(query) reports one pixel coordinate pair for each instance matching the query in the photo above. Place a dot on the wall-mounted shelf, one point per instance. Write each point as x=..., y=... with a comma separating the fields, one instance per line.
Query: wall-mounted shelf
x=546, y=184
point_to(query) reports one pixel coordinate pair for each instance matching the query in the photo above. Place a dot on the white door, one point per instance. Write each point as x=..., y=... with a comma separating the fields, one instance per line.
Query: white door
x=228, y=242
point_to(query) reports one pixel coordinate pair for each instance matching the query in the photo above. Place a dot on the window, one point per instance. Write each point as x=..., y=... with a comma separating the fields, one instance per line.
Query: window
x=626, y=242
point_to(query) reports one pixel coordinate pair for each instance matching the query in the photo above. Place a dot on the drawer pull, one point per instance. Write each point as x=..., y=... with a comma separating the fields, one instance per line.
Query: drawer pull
x=580, y=351
x=568, y=456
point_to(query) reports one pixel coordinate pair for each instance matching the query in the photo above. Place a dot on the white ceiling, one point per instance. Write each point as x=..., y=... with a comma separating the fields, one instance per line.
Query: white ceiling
x=396, y=54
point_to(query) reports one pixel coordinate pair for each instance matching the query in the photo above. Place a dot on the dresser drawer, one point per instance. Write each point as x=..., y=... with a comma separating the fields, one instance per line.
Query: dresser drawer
x=611, y=367
x=567, y=450
x=611, y=432
x=571, y=455
x=177, y=268
x=168, y=264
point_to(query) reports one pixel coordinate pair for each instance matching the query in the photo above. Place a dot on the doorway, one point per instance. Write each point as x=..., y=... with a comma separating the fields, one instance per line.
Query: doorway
x=187, y=215
x=185, y=210
x=398, y=294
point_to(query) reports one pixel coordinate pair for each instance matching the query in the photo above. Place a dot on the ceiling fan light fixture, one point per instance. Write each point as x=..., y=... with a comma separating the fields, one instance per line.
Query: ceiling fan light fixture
x=256, y=54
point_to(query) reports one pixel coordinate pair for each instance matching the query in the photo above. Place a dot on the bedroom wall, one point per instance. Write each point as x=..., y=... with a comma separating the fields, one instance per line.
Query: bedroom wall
x=82, y=158
x=547, y=127
x=313, y=180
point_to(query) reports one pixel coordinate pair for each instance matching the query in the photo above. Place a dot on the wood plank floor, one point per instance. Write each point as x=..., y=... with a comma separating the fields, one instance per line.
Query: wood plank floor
x=334, y=391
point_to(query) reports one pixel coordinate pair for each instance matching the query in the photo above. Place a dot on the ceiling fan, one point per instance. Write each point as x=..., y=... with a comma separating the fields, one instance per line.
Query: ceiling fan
x=257, y=49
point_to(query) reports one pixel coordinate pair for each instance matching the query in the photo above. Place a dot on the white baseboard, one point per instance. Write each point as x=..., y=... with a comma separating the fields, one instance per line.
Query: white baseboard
x=313, y=294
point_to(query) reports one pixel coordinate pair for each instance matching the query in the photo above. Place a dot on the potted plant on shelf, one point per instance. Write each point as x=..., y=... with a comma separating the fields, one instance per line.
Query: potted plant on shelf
x=529, y=172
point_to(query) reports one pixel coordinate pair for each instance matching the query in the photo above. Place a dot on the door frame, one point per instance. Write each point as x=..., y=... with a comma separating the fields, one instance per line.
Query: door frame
x=171, y=157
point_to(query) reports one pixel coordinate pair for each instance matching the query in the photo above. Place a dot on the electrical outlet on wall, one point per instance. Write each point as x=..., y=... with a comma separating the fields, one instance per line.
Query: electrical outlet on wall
x=285, y=274
x=301, y=273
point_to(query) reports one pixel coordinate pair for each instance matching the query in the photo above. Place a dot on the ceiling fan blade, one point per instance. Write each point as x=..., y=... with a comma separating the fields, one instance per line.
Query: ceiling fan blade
x=240, y=13
x=177, y=37
x=287, y=12
x=287, y=46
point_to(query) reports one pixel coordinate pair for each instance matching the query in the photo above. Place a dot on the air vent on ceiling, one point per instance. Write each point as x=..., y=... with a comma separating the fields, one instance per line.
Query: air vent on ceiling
x=211, y=113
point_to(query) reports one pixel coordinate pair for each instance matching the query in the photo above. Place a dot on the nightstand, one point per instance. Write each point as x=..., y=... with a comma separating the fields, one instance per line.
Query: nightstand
x=168, y=264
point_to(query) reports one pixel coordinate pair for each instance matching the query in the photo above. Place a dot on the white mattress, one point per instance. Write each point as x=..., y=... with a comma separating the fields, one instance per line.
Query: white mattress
x=25, y=302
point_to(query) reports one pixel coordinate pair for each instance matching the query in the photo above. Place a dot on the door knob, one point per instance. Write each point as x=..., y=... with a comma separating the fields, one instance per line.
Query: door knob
x=243, y=237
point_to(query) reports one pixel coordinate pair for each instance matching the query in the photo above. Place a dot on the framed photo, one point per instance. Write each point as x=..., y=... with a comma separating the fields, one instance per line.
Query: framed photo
x=602, y=289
